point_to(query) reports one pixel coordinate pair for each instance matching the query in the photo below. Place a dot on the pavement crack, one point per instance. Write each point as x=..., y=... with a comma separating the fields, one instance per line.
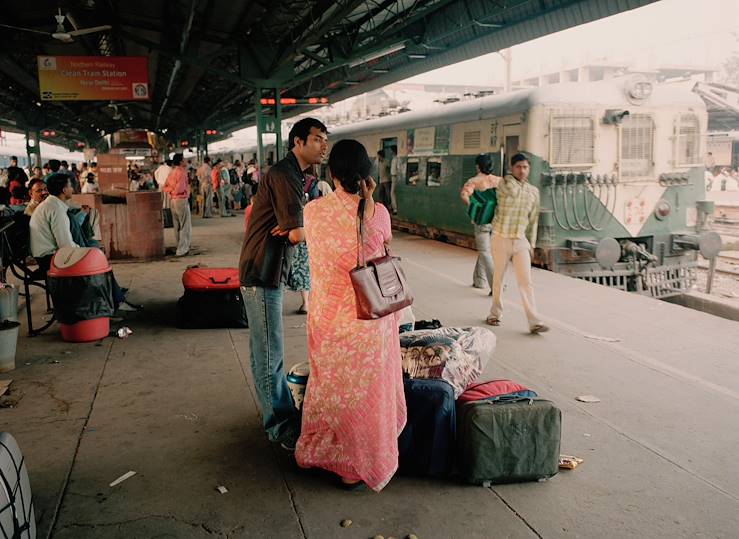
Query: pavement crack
x=63, y=405
x=172, y=518
x=60, y=501
x=512, y=510
x=290, y=491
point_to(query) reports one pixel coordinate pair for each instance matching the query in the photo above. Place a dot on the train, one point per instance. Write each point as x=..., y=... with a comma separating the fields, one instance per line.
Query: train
x=619, y=164
x=14, y=145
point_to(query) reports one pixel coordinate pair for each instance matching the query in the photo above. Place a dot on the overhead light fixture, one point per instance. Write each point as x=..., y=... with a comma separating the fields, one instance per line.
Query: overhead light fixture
x=377, y=54
x=415, y=56
x=380, y=71
x=488, y=24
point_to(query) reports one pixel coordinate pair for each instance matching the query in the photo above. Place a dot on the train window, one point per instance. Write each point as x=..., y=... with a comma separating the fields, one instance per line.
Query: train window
x=411, y=172
x=471, y=140
x=572, y=140
x=688, y=140
x=637, y=145
x=433, y=172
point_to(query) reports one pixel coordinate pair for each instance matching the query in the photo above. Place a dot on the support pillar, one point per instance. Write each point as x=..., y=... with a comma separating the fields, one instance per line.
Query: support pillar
x=33, y=151
x=268, y=123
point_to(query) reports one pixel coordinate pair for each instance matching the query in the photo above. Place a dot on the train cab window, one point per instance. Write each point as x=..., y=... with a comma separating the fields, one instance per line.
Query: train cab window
x=571, y=140
x=688, y=140
x=411, y=172
x=433, y=172
x=637, y=146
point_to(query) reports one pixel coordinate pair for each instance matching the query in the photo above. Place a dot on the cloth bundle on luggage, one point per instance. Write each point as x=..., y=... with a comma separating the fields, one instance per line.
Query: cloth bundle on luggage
x=426, y=445
x=212, y=299
x=508, y=440
x=457, y=355
x=495, y=390
x=17, y=517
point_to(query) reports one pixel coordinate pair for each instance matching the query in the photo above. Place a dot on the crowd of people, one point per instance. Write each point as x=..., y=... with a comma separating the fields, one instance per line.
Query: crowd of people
x=301, y=234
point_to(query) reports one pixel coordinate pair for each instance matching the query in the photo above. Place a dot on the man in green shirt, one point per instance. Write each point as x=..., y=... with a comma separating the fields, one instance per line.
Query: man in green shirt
x=514, y=238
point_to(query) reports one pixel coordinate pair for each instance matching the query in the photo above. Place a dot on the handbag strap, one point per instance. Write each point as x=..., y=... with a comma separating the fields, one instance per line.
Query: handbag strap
x=361, y=260
x=360, y=234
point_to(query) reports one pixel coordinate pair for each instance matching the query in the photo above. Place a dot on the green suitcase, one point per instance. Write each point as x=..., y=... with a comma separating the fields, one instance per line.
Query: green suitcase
x=508, y=442
x=482, y=206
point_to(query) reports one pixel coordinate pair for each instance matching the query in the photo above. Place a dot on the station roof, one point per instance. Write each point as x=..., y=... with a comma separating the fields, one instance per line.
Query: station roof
x=208, y=57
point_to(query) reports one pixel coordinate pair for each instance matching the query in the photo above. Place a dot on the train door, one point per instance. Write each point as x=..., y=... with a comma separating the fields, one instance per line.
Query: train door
x=389, y=145
x=511, y=137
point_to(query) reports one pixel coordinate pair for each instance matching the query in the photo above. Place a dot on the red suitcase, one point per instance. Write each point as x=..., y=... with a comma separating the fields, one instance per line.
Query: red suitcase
x=206, y=279
x=212, y=299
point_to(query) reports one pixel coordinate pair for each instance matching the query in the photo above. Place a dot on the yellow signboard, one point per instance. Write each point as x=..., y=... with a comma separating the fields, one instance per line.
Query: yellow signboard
x=90, y=78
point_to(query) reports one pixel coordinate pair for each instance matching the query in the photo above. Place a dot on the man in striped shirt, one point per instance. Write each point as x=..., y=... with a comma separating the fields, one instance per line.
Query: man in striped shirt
x=514, y=238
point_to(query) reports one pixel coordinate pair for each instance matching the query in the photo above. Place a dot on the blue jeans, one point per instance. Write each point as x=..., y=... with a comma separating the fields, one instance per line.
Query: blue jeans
x=264, y=311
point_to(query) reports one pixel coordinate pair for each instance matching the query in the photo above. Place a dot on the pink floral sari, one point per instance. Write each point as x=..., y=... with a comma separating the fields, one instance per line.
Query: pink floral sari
x=354, y=407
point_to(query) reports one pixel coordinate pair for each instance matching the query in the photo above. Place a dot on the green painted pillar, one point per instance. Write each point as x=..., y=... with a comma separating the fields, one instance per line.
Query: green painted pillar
x=278, y=126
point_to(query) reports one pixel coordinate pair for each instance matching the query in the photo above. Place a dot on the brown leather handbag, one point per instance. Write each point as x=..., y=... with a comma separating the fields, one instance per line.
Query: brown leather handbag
x=379, y=284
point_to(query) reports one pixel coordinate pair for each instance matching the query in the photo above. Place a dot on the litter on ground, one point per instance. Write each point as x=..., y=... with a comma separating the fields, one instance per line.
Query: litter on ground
x=568, y=462
x=121, y=479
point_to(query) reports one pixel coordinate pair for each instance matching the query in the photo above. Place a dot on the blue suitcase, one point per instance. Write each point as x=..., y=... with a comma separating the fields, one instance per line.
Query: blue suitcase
x=426, y=445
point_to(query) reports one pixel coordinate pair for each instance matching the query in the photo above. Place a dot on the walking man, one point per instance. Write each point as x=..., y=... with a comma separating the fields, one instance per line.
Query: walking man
x=276, y=223
x=177, y=187
x=482, y=181
x=206, y=187
x=220, y=179
x=514, y=238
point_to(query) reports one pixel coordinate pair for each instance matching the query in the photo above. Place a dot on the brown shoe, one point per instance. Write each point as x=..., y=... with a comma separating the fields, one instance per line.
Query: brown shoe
x=492, y=321
x=539, y=328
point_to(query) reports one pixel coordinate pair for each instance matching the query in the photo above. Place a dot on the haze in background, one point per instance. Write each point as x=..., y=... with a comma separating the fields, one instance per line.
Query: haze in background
x=684, y=33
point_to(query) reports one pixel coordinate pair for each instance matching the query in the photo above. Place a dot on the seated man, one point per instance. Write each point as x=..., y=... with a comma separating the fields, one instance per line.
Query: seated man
x=50, y=228
x=79, y=218
x=38, y=193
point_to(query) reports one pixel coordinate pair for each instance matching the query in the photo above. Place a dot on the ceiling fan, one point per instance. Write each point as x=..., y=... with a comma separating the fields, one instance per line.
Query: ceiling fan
x=61, y=33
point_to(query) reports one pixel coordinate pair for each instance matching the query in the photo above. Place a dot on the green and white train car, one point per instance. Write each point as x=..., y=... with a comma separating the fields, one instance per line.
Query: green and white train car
x=618, y=163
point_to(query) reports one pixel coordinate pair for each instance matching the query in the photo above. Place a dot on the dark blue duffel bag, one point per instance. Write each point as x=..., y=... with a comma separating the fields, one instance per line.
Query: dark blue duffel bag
x=426, y=445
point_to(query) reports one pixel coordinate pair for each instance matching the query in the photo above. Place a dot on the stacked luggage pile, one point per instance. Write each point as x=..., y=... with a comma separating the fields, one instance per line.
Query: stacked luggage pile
x=484, y=432
x=212, y=299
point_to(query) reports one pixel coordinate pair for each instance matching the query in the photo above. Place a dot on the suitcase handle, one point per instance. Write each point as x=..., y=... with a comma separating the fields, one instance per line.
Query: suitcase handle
x=225, y=281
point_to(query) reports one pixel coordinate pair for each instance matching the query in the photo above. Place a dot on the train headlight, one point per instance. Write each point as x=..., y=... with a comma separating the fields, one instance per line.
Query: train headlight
x=662, y=210
x=639, y=88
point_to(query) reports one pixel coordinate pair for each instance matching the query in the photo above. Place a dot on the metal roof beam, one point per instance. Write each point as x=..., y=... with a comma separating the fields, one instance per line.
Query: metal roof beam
x=185, y=59
x=312, y=34
x=184, y=42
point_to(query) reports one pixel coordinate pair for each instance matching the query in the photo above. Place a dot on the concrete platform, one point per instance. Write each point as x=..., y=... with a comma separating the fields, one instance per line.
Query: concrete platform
x=177, y=407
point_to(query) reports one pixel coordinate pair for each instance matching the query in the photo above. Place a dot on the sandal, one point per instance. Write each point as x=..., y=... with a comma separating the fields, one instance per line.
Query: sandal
x=492, y=321
x=301, y=310
x=359, y=486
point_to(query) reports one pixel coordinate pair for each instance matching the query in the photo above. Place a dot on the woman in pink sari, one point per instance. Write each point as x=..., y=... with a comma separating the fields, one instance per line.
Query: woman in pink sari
x=354, y=408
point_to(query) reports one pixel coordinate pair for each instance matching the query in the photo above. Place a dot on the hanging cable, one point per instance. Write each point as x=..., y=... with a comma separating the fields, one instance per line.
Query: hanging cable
x=554, y=203
x=564, y=200
x=583, y=225
x=589, y=203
